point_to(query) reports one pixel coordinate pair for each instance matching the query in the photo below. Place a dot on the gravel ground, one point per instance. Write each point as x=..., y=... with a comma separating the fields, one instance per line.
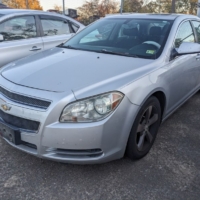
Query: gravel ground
x=170, y=171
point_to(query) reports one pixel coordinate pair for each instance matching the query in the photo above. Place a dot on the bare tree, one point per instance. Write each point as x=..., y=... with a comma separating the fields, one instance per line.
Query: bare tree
x=57, y=7
x=97, y=8
x=132, y=5
x=170, y=6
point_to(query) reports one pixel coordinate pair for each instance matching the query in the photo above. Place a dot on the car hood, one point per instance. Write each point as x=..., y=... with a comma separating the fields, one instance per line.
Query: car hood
x=60, y=70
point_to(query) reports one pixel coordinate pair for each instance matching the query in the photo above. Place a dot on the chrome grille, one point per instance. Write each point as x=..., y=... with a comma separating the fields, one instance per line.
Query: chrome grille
x=24, y=99
x=19, y=122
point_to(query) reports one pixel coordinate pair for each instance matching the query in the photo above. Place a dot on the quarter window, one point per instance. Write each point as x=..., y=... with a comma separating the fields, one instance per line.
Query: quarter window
x=18, y=28
x=53, y=27
x=75, y=27
x=185, y=34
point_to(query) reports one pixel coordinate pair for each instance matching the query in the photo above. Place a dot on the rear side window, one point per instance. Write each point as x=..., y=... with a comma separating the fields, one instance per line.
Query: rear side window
x=18, y=28
x=185, y=34
x=196, y=25
x=55, y=26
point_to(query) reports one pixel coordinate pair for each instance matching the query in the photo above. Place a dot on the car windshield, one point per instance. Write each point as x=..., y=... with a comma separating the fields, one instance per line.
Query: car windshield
x=143, y=38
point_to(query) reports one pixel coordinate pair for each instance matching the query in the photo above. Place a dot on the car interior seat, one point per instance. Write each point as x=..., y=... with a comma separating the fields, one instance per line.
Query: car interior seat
x=155, y=34
x=132, y=38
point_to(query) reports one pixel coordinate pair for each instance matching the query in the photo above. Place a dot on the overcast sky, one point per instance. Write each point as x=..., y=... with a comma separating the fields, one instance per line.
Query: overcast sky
x=48, y=4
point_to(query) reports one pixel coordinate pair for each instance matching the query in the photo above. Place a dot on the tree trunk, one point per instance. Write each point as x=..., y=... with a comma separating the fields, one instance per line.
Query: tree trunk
x=26, y=4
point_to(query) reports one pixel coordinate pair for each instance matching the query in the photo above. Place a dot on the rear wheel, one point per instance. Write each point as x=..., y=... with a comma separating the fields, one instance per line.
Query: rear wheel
x=144, y=129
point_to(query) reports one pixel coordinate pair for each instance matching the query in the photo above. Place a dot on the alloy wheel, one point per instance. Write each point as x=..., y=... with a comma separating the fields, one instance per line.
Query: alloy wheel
x=145, y=133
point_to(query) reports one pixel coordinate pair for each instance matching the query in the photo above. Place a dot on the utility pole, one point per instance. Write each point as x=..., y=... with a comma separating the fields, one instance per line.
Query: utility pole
x=107, y=3
x=173, y=9
x=198, y=8
x=122, y=6
x=159, y=5
x=63, y=7
x=26, y=4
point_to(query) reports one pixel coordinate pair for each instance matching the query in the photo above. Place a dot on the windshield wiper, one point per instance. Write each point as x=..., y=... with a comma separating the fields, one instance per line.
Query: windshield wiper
x=70, y=47
x=117, y=53
x=67, y=47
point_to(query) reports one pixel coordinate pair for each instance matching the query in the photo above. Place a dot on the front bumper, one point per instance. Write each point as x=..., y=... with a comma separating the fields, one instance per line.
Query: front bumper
x=81, y=143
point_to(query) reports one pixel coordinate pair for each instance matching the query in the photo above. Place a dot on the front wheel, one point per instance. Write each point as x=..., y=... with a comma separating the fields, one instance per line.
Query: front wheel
x=144, y=129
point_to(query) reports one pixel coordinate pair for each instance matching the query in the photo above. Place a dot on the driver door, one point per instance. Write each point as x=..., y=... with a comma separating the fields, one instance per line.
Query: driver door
x=184, y=70
x=20, y=39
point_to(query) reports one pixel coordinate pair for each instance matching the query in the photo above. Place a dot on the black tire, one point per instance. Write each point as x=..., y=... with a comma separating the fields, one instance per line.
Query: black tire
x=144, y=131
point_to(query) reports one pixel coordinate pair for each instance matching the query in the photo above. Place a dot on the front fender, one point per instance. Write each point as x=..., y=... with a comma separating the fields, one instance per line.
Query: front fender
x=140, y=90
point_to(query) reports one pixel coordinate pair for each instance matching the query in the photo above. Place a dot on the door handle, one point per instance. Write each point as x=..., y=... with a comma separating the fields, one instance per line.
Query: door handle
x=35, y=48
x=198, y=57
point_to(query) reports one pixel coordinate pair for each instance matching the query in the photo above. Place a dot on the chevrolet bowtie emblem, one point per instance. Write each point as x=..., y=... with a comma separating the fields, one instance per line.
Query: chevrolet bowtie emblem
x=5, y=107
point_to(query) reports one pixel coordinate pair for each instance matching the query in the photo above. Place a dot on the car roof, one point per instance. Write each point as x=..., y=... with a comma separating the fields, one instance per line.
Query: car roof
x=11, y=11
x=24, y=11
x=150, y=16
x=6, y=12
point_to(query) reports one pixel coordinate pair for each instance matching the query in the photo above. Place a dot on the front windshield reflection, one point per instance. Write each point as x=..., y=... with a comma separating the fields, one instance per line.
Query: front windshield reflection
x=143, y=38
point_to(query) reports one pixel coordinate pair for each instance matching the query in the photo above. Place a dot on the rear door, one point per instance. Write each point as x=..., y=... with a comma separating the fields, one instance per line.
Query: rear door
x=21, y=38
x=55, y=30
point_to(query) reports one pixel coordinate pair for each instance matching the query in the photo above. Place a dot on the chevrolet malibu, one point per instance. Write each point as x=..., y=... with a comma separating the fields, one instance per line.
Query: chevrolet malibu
x=103, y=93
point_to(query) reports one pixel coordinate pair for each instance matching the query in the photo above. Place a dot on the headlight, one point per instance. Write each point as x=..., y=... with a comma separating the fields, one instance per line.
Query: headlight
x=91, y=109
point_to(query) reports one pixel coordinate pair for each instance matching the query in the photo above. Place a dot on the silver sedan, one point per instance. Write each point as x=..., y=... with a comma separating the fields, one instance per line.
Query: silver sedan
x=104, y=92
x=26, y=32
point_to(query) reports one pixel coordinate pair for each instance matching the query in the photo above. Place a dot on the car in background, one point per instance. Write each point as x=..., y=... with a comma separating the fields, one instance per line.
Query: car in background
x=25, y=32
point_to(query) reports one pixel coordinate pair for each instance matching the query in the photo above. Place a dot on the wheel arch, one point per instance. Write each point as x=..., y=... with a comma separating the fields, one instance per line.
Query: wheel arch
x=161, y=96
x=158, y=94
x=162, y=99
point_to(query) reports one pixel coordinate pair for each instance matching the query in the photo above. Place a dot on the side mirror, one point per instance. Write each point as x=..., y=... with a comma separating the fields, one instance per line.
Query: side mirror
x=186, y=48
x=1, y=38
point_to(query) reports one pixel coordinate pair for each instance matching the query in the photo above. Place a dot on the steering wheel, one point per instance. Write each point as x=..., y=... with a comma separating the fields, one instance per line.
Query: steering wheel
x=152, y=43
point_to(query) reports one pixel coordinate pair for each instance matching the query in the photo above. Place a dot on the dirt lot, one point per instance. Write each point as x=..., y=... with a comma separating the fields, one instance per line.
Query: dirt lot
x=170, y=171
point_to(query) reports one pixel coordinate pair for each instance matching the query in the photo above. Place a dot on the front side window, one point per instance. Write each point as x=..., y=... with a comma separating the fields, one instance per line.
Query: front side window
x=18, y=28
x=143, y=38
x=196, y=25
x=52, y=27
x=184, y=34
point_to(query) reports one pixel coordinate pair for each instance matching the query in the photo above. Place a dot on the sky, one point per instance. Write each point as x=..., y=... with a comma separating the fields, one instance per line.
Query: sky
x=49, y=4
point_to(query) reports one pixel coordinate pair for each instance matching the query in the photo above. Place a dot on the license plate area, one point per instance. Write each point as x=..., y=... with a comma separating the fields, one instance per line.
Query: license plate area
x=11, y=134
